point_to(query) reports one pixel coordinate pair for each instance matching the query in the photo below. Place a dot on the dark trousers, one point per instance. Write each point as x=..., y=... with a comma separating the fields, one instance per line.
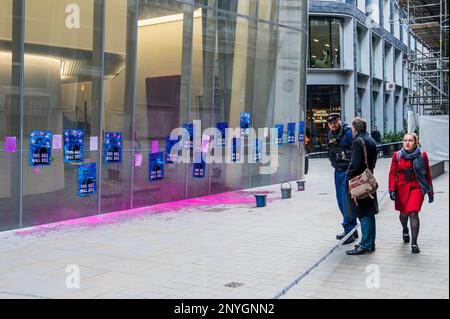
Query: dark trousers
x=341, y=196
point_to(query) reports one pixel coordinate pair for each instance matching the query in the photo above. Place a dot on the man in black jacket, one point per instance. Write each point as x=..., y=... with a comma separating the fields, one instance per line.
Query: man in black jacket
x=367, y=208
x=340, y=142
x=376, y=135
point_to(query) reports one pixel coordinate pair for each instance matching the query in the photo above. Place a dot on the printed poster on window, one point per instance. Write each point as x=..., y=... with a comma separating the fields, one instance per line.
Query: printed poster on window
x=246, y=121
x=113, y=147
x=40, y=148
x=236, y=149
x=172, y=158
x=301, y=131
x=280, y=131
x=291, y=133
x=221, y=138
x=257, y=150
x=73, y=146
x=189, y=138
x=87, y=179
x=199, y=167
x=156, y=166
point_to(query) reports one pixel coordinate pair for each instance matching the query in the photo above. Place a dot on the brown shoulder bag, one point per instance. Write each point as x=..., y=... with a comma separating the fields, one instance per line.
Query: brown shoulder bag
x=364, y=185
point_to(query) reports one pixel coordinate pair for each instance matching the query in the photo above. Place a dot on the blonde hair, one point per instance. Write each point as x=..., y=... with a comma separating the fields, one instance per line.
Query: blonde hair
x=416, y=138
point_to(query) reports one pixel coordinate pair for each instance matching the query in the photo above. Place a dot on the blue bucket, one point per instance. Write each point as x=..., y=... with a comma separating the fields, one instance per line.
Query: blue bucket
x=260, y=200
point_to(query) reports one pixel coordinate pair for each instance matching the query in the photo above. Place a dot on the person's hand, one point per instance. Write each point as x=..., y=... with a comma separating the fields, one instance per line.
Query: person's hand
x=430, y=198
x=393, y=195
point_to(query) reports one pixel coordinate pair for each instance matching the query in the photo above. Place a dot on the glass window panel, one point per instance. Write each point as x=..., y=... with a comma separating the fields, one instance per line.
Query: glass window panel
x=336, y=43
x=9, y=119
x=202, y=90
x=268, y=10
x=162, y=94
x=234, y=91
x=319, y=43
x=60, y=70
x=118, y=102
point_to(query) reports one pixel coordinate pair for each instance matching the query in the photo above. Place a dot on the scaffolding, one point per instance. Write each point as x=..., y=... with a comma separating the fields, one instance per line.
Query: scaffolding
x=427, y=22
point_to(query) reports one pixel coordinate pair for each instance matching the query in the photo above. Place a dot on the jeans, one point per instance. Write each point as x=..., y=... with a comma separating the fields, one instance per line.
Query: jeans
x=368, y=229
x=341, y=196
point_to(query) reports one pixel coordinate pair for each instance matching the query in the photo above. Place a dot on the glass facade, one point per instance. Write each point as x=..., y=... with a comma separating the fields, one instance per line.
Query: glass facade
x=325, y=42
x=122, y=74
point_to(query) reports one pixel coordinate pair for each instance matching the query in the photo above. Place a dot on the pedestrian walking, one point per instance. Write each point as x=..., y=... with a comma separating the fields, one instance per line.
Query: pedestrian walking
x=340, y=140
x=409, y=181
x=376, y=135
x=364, y=209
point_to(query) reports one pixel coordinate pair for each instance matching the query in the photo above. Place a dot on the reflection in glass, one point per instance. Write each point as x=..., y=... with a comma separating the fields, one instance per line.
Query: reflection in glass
x=60, y=70
x=324, y=42
x=9, y=118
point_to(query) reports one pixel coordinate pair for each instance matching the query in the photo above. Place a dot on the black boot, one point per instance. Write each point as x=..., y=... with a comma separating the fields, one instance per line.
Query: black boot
x=406, y=237
x=415, y=249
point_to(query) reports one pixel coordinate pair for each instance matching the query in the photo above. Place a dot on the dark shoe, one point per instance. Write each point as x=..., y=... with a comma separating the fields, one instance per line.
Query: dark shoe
x=406, y=237
x=349, y=240
x=415, y=249
x=372, y=249
x=358, y=251
x=342, y=235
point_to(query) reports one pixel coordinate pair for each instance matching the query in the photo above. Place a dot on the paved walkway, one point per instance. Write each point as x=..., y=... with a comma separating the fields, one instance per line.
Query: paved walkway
x=198, y=249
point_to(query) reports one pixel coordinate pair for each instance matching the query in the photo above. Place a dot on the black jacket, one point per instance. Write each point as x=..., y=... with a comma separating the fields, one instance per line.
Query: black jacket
x=376, y=135
x=366, y=206
x=340, y=147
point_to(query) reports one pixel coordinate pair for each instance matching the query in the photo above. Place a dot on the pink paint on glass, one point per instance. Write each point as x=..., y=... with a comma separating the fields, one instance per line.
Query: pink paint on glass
x=155, y=147
x=36, y=170
x=193, y=205
x=10, y=144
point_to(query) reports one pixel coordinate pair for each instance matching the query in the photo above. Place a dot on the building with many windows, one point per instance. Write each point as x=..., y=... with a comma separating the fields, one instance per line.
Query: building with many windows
x=357, y=64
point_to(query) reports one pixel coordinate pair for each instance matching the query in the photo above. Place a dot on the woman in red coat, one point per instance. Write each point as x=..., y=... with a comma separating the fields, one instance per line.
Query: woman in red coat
x=409, y=181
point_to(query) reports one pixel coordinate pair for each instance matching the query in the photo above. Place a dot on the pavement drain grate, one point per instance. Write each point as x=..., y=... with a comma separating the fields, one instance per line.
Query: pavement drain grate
x=322, y=194
x=234, y=284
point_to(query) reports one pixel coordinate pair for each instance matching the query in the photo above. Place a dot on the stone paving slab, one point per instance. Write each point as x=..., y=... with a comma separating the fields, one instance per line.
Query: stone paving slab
x=195, y=252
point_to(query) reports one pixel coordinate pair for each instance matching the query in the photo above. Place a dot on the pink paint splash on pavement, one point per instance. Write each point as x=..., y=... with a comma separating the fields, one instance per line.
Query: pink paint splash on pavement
x=188, y=205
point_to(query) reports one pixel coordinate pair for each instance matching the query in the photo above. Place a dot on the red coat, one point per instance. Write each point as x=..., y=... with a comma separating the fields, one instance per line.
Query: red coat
x=409, y=197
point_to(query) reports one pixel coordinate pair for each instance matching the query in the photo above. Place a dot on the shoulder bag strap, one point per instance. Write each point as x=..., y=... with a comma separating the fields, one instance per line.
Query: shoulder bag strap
x=365, y=151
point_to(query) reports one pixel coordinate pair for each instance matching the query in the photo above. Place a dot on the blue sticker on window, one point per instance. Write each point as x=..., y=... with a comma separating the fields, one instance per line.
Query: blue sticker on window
x=246, y=121
x=280, y=133
x=257, y=151
x=189, y=138
x=113, y=147
x=87, y=179
x=291, y=133
x=221, y=138
x=40, y=148
x=172, y=158
x=301, y=131
x=73, y=146
x=156, y=166
x=236, y=150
